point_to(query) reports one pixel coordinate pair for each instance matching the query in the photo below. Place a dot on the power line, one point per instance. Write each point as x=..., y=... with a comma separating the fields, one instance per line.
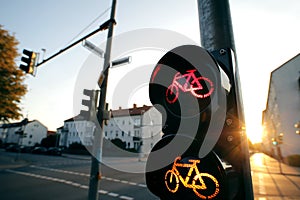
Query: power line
x=84, y=29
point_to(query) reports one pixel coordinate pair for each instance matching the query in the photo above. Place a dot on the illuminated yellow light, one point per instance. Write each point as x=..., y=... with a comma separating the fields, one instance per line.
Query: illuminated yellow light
x=173, y=186
x=32, y=63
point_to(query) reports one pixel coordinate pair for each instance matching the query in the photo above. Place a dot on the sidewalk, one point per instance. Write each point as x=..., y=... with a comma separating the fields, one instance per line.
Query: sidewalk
x=266, y=163
x=274, y=166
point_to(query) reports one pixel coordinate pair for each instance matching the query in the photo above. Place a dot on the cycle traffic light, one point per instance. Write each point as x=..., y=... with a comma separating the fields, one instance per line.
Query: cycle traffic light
x=201, y=153
x=29, y=59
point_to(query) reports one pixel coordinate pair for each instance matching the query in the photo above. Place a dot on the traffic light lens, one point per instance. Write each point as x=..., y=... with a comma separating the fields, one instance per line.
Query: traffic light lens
x=184, y=81
x=199, y=86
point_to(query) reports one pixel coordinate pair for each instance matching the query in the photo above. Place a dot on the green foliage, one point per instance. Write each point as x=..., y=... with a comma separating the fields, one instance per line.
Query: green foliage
x=119, y=143
x=12, y=88
x=50, y=141
x=77, y=145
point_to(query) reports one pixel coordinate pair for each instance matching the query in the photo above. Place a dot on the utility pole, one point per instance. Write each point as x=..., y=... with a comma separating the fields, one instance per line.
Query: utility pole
x=95, y=174
x=217, y=33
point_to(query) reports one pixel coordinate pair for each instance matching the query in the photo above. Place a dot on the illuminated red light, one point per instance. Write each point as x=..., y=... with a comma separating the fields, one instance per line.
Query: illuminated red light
x=188, y=82
x=155, y=72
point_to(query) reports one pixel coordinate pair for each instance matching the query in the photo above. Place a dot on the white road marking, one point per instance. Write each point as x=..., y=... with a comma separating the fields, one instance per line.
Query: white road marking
x=67, y=182
x=126, y=198
x=87, y=175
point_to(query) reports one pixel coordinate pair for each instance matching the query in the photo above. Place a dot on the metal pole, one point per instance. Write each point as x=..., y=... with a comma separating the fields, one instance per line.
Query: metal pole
x=95, y=174
x=215, y=24
x=217, y=33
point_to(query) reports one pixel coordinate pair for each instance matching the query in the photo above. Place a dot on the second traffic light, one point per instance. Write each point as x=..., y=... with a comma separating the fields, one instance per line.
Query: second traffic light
x=29, y=59
x=91, y=104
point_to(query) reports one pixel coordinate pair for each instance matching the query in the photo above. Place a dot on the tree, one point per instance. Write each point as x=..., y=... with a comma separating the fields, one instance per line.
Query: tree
x=12, y=88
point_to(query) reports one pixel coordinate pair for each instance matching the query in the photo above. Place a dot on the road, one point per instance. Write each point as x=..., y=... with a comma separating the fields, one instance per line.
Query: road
x=67, y=177
x=29, y=176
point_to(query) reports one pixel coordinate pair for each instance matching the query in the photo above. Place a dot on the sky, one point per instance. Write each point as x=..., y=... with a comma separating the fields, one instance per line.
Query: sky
x=266, y=35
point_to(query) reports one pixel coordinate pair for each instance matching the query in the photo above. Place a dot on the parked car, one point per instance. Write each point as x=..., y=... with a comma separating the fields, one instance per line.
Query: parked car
x=54, y=151
x=12, y=148
x=25, y=149
x=39, y=150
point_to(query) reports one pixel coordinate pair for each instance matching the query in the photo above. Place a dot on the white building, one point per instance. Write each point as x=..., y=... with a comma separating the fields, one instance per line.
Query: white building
x=27, y=133
x=283, y=111
x=76, y=130
x=138, y=127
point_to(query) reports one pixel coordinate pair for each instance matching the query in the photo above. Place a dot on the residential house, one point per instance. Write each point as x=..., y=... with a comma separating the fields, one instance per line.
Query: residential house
x=138, y=128
x=27, y=133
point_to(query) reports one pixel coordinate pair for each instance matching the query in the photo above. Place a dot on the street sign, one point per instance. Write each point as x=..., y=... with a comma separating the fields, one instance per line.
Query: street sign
x=90, y=46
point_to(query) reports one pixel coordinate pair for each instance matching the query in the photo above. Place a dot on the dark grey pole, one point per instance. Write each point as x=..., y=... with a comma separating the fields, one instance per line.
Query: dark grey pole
x=217, y=33
x=215, y=24
x=95, y=174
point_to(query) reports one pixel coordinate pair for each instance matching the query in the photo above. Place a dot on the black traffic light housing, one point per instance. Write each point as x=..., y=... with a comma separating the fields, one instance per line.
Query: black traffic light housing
x=190, y=123
x=91, y=104
x=29, y=59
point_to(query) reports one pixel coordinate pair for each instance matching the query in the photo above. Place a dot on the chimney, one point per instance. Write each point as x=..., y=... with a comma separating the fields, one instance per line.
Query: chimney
x=134, y=105
x=120, y=107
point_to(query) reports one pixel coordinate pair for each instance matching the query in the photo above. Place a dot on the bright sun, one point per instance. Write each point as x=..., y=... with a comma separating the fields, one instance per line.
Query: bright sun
x=254, y=133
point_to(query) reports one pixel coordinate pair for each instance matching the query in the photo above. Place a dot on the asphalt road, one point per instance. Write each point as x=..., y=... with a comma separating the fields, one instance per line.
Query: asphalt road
x=29, y=177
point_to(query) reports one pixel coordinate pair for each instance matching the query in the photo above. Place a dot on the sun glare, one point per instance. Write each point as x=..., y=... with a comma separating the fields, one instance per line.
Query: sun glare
x=254, y=133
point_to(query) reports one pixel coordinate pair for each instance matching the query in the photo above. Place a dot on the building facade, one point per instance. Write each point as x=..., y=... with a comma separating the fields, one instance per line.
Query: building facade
x=76, y=130
x=26, y=133
x=138, y=128
x=282, y=111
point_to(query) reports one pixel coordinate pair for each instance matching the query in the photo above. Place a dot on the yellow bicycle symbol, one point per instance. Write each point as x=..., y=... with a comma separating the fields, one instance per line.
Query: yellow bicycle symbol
x=173, y=176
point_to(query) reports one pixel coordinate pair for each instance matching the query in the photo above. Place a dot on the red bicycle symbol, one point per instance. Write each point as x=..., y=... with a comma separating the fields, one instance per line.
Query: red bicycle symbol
x=189, y=83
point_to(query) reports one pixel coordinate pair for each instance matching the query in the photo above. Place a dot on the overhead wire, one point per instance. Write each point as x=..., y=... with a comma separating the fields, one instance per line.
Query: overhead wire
x=89, y=25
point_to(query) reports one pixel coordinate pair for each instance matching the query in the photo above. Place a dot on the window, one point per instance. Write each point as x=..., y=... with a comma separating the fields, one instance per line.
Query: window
x=105, y=133
x=137, y=122
x=129, y=133
x=117, y=133
x=122, y=133
x=136, y=133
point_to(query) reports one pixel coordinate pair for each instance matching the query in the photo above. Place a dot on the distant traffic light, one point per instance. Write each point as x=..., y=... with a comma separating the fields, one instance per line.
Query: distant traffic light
x=274, y=141
x=29, y=58
x=91, y=104
x=203, y=153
